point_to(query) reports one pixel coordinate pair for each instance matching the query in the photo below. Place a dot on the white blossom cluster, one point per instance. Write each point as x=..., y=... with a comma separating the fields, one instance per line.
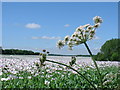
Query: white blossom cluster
x=81, y=34
x=14, y=66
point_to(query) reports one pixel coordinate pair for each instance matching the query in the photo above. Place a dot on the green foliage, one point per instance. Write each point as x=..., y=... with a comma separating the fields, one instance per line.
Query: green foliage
x=109, y=51
x=62, y=79
x=18, y=52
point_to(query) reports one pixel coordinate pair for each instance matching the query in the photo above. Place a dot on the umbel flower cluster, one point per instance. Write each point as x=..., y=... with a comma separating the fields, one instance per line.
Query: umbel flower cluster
x=81, y=34
x=43, y=57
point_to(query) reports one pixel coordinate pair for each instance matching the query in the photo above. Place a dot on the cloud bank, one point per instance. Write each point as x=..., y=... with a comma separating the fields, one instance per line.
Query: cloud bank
x=46, y=37
x=32, y=26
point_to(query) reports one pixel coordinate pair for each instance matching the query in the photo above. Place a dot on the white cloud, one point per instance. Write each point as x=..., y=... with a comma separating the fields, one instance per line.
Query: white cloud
x=45, y=37
x=32, y=26
x=96, y=38
x=66, y=25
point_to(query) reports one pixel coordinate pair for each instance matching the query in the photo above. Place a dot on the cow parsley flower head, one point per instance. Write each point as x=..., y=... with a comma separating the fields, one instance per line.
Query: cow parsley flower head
x=97, y=19
x=60, y=44
x=81, y=34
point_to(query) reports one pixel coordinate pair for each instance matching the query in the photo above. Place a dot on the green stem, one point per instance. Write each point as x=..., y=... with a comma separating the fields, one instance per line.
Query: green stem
x=94, y=64
x=75, y=71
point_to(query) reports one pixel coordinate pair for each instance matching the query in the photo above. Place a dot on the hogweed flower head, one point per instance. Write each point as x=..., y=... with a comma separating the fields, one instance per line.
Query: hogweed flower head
x=81, y=34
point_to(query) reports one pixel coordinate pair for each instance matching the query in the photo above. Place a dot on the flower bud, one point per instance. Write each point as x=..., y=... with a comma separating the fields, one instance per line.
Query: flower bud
x=60, y=44
x=97, y=19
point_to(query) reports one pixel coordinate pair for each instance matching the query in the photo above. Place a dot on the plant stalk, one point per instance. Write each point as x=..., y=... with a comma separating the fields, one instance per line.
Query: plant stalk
x=75, y=71
x=94, y=64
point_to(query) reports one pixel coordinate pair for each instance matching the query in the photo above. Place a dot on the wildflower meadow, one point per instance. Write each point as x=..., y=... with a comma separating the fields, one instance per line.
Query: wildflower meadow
x=44, y=71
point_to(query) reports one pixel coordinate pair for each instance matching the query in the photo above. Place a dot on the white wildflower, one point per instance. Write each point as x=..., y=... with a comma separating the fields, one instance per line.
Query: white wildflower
x=80, y=36
x=97, y=19
x=89, y=27
x=5, y=79
x=47, y=82
x=21, y=78
x=106, y=82
x=66, y=38
x=77, y=42
x=86, y=25
x=29, y=77
x=60, y=44
x=97, y=25
x=92, y=31
x=74, y=39
x=80, y=27
x=73, y=35
x=76, y=34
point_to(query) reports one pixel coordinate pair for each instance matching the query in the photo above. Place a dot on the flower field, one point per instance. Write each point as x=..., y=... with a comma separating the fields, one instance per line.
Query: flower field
x=23, y=71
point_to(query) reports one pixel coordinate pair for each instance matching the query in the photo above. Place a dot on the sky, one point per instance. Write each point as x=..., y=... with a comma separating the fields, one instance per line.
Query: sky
x=39, y=25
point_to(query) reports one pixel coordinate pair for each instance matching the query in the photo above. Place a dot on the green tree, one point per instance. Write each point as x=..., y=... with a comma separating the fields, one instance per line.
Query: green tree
x=109, y=51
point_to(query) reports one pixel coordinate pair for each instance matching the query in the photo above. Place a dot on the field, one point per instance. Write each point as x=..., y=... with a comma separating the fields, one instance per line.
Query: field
x=23, y=71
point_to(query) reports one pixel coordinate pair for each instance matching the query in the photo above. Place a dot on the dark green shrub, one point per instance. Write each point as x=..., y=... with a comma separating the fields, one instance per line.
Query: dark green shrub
x=115, y=56
x=109, y=51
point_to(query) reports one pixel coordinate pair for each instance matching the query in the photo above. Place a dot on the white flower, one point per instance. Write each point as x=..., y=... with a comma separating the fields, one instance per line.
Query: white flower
x=89, y=27
x=97, y=25
x=60, y=44
x=29, y=77
x=80, y=27
x=73, y=35
x=66, y=38
x=21, y=78
x=47, y=82
x=106, y=82
x=92, y=31
x=74, y=39
x=5, y=79
x=97, y=19
x=70, y=44
x=76, y=34
x=71, y=39
x=78, y=42
x=86, y=25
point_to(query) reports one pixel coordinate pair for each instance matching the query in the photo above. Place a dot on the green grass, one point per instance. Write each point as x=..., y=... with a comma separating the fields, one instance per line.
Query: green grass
x=63, y=79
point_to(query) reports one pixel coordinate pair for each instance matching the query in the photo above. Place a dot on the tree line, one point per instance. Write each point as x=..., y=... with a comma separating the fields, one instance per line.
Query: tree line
x=17, y=52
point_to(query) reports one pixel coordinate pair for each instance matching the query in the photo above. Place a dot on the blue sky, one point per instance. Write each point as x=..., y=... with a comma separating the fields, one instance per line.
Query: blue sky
x=37, y=25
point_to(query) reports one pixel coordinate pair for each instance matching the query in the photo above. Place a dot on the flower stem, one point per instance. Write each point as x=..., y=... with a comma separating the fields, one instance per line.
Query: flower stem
x=94, y=64
x=75, y=71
